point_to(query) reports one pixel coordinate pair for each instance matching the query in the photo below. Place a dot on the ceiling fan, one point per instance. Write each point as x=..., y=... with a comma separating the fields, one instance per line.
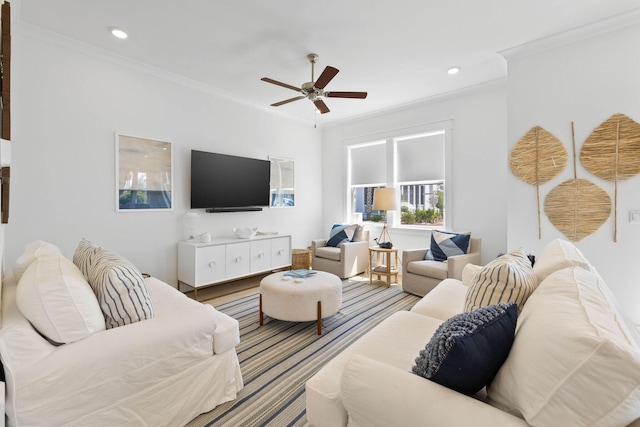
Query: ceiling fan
x=314, y=89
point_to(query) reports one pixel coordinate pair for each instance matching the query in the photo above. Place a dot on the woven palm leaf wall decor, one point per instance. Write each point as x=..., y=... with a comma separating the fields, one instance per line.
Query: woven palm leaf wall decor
x=537, y=158
x=612, y=152
x=577, y=207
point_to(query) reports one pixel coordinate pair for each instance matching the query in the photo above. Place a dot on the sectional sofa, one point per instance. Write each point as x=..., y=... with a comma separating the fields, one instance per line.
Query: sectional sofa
x=64, y=366
x=574, y=360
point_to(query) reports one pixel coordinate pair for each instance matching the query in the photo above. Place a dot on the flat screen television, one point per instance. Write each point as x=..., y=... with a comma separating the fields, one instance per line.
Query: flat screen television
x=221, y=182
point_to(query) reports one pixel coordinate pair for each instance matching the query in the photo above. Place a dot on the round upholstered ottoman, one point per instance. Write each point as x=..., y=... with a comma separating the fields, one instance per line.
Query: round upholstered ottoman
x=300, y=300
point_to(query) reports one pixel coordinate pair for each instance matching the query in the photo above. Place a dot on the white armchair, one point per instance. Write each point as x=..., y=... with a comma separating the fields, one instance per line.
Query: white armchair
x=419, y=276
x=347, y=260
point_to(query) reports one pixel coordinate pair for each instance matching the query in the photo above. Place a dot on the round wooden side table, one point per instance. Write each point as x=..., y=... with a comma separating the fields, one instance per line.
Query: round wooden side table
x=384, y=268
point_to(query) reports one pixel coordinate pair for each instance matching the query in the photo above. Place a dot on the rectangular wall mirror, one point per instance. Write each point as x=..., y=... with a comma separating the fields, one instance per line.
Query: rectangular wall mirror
x=282, y=183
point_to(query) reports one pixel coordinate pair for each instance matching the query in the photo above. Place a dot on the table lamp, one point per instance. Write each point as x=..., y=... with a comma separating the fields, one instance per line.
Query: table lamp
x=384, y=199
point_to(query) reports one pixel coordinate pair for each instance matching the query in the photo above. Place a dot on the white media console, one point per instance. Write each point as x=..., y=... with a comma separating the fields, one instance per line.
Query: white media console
x=224, y=259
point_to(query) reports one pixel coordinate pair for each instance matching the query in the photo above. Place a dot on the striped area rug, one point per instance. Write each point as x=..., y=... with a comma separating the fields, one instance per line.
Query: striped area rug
x=278, y=358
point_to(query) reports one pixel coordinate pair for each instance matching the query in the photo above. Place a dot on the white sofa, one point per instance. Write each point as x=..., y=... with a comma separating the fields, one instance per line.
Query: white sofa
x=162, y=371
x=575, y=361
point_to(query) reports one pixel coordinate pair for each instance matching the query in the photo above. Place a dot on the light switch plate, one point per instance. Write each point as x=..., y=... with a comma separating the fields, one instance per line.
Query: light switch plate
x=634, y=217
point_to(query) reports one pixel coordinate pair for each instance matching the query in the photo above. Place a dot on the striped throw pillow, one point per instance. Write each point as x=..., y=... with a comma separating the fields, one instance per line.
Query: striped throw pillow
x=85, y=256
x=509, y=278
x=118, y=285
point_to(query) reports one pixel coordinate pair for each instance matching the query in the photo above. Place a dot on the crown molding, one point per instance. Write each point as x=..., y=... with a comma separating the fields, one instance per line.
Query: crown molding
x=575, y=34
x=465, y=91
x=28, y=30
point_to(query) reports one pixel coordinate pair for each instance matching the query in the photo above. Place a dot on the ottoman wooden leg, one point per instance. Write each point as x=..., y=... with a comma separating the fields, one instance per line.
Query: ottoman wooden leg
x=261, y=315
x=319, y=318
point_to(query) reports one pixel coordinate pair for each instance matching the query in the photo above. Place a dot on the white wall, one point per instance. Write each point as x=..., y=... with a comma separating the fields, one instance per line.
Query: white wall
x=67, y=103
x=479, y=163
x=585, y=81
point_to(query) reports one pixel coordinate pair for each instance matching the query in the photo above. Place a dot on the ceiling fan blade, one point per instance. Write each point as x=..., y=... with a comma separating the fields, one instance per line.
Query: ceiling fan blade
x=360, y=95
x=326, y=76
x=286, y=101
x=275, y=82
x=321, y=106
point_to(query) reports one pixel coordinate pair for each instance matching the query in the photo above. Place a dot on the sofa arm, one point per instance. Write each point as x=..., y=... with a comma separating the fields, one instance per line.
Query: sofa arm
x=353, y=249
x=319, y=243
x=410, y=255
x=350, y=252
x=377, y=394
x=413, y=255
x=127, y=354
x=456, y=263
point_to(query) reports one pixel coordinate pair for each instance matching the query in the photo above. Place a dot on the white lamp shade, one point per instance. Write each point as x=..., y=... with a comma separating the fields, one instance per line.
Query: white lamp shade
x=384, y=199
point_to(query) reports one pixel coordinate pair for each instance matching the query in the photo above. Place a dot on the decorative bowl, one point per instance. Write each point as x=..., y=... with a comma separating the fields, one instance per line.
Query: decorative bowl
x=245, y=232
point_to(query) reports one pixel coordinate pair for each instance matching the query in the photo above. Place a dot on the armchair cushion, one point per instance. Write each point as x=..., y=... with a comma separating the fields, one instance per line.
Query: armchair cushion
x=445, y=244
x=436, y=269
x=328, y=252
x=341, y=233
x=467, y=350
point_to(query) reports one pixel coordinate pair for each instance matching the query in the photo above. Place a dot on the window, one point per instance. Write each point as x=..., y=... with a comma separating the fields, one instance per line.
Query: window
x=420, y=179
x=414, y=165
x=365, y=176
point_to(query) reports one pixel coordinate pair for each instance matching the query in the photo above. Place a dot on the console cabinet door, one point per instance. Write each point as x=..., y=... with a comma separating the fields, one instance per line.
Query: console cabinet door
x=207, y=264
x=280, y=252
x=260, y=255
x=238, y=262
x=210, y=265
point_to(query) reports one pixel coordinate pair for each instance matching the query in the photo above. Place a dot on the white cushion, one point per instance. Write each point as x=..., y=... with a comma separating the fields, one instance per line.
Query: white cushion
x=328, y=252
x=571, y=362
x=508, y=278
x=468, y=272
x=54, y=296
x=429, y=268
x=395, y=342
x=443, y=301
x=556, y=255
x=32, y=251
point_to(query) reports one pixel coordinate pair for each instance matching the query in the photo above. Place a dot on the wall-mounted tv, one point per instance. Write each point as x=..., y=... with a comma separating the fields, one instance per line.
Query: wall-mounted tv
x=221, y=182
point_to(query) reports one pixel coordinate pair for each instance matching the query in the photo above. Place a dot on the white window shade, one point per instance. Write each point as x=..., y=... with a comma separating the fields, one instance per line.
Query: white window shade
x=368, y=164
x=421, y=159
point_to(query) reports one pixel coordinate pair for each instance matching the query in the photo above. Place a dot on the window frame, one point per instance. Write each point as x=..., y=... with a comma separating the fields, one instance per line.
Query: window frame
x=390, y=138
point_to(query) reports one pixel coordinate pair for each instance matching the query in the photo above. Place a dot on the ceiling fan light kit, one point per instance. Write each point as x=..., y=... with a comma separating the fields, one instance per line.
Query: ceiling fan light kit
x=314, y=89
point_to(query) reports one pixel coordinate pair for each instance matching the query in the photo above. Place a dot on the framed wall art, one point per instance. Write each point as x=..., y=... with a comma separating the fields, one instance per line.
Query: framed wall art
x=282, y=193
x=144, y=178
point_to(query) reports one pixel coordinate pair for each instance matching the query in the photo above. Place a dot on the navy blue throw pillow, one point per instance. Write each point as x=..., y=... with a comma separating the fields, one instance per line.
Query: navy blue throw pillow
x=466, y=351
x=341, y=233
x=445, y=244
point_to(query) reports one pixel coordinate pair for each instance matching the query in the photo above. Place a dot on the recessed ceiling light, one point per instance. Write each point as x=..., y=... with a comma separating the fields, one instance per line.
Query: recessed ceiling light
x=118, y=33
x=453, y=70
